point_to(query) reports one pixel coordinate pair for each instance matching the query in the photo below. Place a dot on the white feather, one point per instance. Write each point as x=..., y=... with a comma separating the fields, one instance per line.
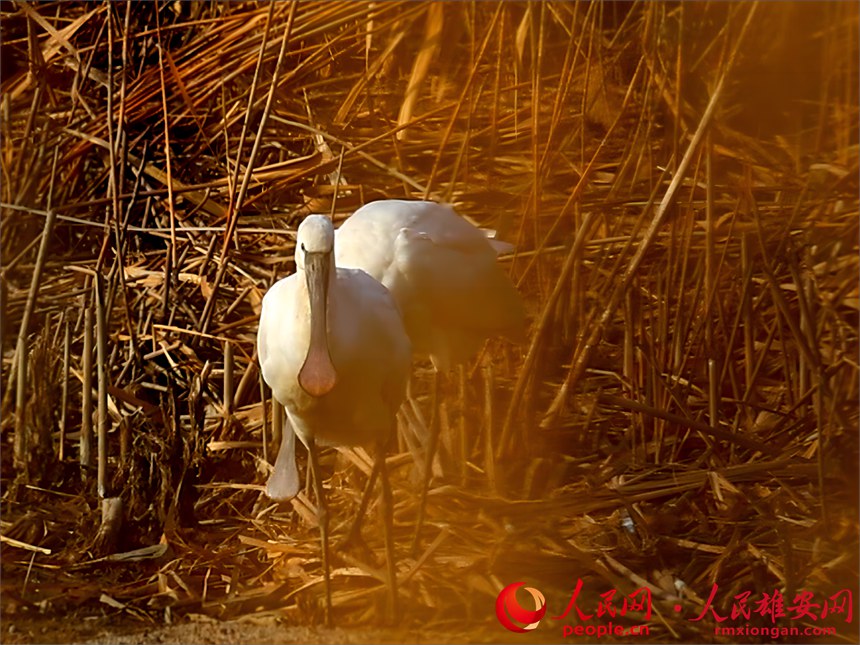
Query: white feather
x=441, y=270
x=368, y=348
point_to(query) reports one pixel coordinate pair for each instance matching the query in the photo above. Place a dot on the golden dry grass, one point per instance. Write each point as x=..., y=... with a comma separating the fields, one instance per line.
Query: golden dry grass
x=681, y=182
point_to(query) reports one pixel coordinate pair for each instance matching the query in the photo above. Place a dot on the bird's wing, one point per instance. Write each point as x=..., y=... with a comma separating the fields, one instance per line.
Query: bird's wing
x=262, y=341
x=377, y=302
x=364, y=243
x=367, y=240
x=278, y=298
x=283, y=483
x=458, y=281
x=380, y=351
x=435, y=263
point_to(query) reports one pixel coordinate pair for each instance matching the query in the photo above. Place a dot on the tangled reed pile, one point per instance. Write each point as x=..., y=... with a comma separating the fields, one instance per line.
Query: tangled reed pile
x=681, y=183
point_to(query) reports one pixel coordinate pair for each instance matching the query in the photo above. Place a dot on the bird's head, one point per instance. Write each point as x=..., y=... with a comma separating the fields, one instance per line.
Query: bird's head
x=315, y=257
x=315, y=236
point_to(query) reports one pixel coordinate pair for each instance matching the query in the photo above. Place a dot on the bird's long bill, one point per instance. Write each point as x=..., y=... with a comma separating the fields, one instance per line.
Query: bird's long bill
x=317, y=376
x=283, y=483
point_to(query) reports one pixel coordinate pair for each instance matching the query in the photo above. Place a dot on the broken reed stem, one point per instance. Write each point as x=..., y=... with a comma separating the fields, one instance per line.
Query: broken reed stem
x=713, y=392
x=629, y=356
x=22, y=438
x=710, y=287
x=101, y=366
x=228, y=378
x=747, y=305
x=462, y=449
x=821, y=424
x=64, y=403
x=87, y=389
x=429, y=455
x=489, y=449
x=124, y=440
x=714, y=371
x=4, y=299
x=165, y=292
x=264, y=429
x=805, y=297
x=245, y=383
x=21, y=345
x=168, y=166
x=536, y=130
x=631, y=381
x=116, y=140
x=108, y=534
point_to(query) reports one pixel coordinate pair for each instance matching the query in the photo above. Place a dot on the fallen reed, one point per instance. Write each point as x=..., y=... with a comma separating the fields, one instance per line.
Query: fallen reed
x=684, y=204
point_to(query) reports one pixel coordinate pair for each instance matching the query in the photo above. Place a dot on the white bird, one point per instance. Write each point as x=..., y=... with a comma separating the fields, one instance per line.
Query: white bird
x=441, y=270
x=333, y=349
x=443, y=273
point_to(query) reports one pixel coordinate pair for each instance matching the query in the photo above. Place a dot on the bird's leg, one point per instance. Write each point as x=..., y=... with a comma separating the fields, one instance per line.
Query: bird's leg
x=430, y=453
x=354, y=533
x=322, y=517
x=308, y=482
x=387, y=508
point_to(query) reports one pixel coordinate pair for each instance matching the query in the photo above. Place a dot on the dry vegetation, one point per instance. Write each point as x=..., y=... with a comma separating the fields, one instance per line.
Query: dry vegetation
x=681, y=182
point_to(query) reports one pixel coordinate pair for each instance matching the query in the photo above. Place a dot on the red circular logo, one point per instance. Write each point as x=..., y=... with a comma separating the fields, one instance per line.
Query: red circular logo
x=513, y=615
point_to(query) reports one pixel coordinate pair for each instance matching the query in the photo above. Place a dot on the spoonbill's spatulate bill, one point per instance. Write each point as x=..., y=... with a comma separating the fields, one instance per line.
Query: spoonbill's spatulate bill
x=441, y=270
x=333, y=349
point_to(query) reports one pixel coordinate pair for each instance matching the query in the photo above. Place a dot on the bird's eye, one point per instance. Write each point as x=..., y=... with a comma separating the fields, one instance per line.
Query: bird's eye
x=303, y=247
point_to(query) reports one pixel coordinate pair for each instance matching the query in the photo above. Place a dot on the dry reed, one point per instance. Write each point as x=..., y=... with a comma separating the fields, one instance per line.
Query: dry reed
x=684, y=202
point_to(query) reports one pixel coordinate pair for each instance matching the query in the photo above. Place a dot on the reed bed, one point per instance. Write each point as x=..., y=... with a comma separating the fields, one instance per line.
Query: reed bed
x=681, y=184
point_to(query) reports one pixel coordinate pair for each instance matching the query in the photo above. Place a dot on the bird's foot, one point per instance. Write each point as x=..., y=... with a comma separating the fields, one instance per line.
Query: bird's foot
x=354, y=544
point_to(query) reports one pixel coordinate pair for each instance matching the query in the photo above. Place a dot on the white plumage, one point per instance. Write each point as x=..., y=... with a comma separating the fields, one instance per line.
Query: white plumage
x=332, y=347
x=441, y=270
x=344, y=385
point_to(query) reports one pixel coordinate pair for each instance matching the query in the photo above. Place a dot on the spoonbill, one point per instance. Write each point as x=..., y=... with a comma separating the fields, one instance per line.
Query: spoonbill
x=443, y=273
x=441, y=270
x=333, y=349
